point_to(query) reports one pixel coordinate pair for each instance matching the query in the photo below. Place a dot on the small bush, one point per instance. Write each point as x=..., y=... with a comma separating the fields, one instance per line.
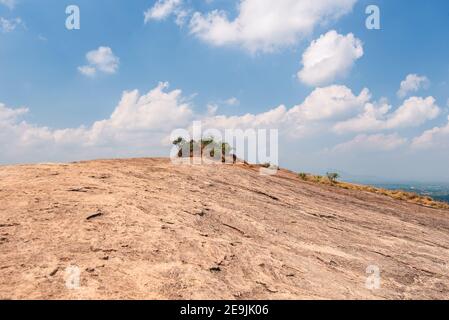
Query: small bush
x=332, y=177
x=206, y=146
x=302, y=176
x=266, y=165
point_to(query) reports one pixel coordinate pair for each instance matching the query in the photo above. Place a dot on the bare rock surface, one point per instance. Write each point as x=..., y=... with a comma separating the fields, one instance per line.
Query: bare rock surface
x=148, y=229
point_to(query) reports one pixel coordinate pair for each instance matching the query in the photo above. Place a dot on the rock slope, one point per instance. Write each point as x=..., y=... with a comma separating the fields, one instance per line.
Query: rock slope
x=148, y=229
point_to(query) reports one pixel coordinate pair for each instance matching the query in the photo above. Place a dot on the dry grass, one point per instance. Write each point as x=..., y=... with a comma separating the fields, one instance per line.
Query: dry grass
x=395, y=194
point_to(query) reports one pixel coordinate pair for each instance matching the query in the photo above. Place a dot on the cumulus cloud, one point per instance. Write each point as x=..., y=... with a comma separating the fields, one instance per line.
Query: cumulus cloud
x=100, y=60
x=162, y=9
x=437, y=137
x=329, y=57
x=414, y=112
x=141, y=124
x=269, y=119
x=337, y=109
x=412, y=83
x=138, y=122
x=9, y=25
x=9, y=115
x=372, y=143
x=321, y=106
x=266, y=25
x=371, y=119
x=331, y=103
x=87, y=70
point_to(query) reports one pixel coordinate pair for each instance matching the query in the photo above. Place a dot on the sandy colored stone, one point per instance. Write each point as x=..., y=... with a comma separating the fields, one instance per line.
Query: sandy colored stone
x=148, y=229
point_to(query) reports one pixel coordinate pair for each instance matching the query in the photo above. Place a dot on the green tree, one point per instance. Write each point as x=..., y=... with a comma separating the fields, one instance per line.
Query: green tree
x=333, y=177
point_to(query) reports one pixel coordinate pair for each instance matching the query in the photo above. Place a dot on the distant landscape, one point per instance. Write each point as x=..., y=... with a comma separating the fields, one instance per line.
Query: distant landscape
x=436, y=191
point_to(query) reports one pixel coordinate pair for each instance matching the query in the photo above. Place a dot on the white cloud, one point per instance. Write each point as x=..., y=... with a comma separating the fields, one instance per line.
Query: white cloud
x=141, y=124
x=437, y=137
x=212, y=109
x=329, y=57
x=321, y=106
x=331, y=103
x=371, y=143
x=9, y=25
x=266, y=25
x=320, y=112
x=272, y=118
x=181, y=16
x=87, y=70
x=101, y=59
x=412, y=83
x=412, y=113
x=162, y=9
x=157, y=110
x=9, y=3
x=138, y=122
x=371, y=119
x=232, y=101
x=9, y=115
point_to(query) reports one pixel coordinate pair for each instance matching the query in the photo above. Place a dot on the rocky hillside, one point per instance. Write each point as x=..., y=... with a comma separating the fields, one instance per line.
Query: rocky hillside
x=145, y=228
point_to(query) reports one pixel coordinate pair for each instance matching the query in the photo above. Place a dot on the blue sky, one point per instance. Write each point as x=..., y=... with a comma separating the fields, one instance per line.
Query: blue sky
x=40, y=60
